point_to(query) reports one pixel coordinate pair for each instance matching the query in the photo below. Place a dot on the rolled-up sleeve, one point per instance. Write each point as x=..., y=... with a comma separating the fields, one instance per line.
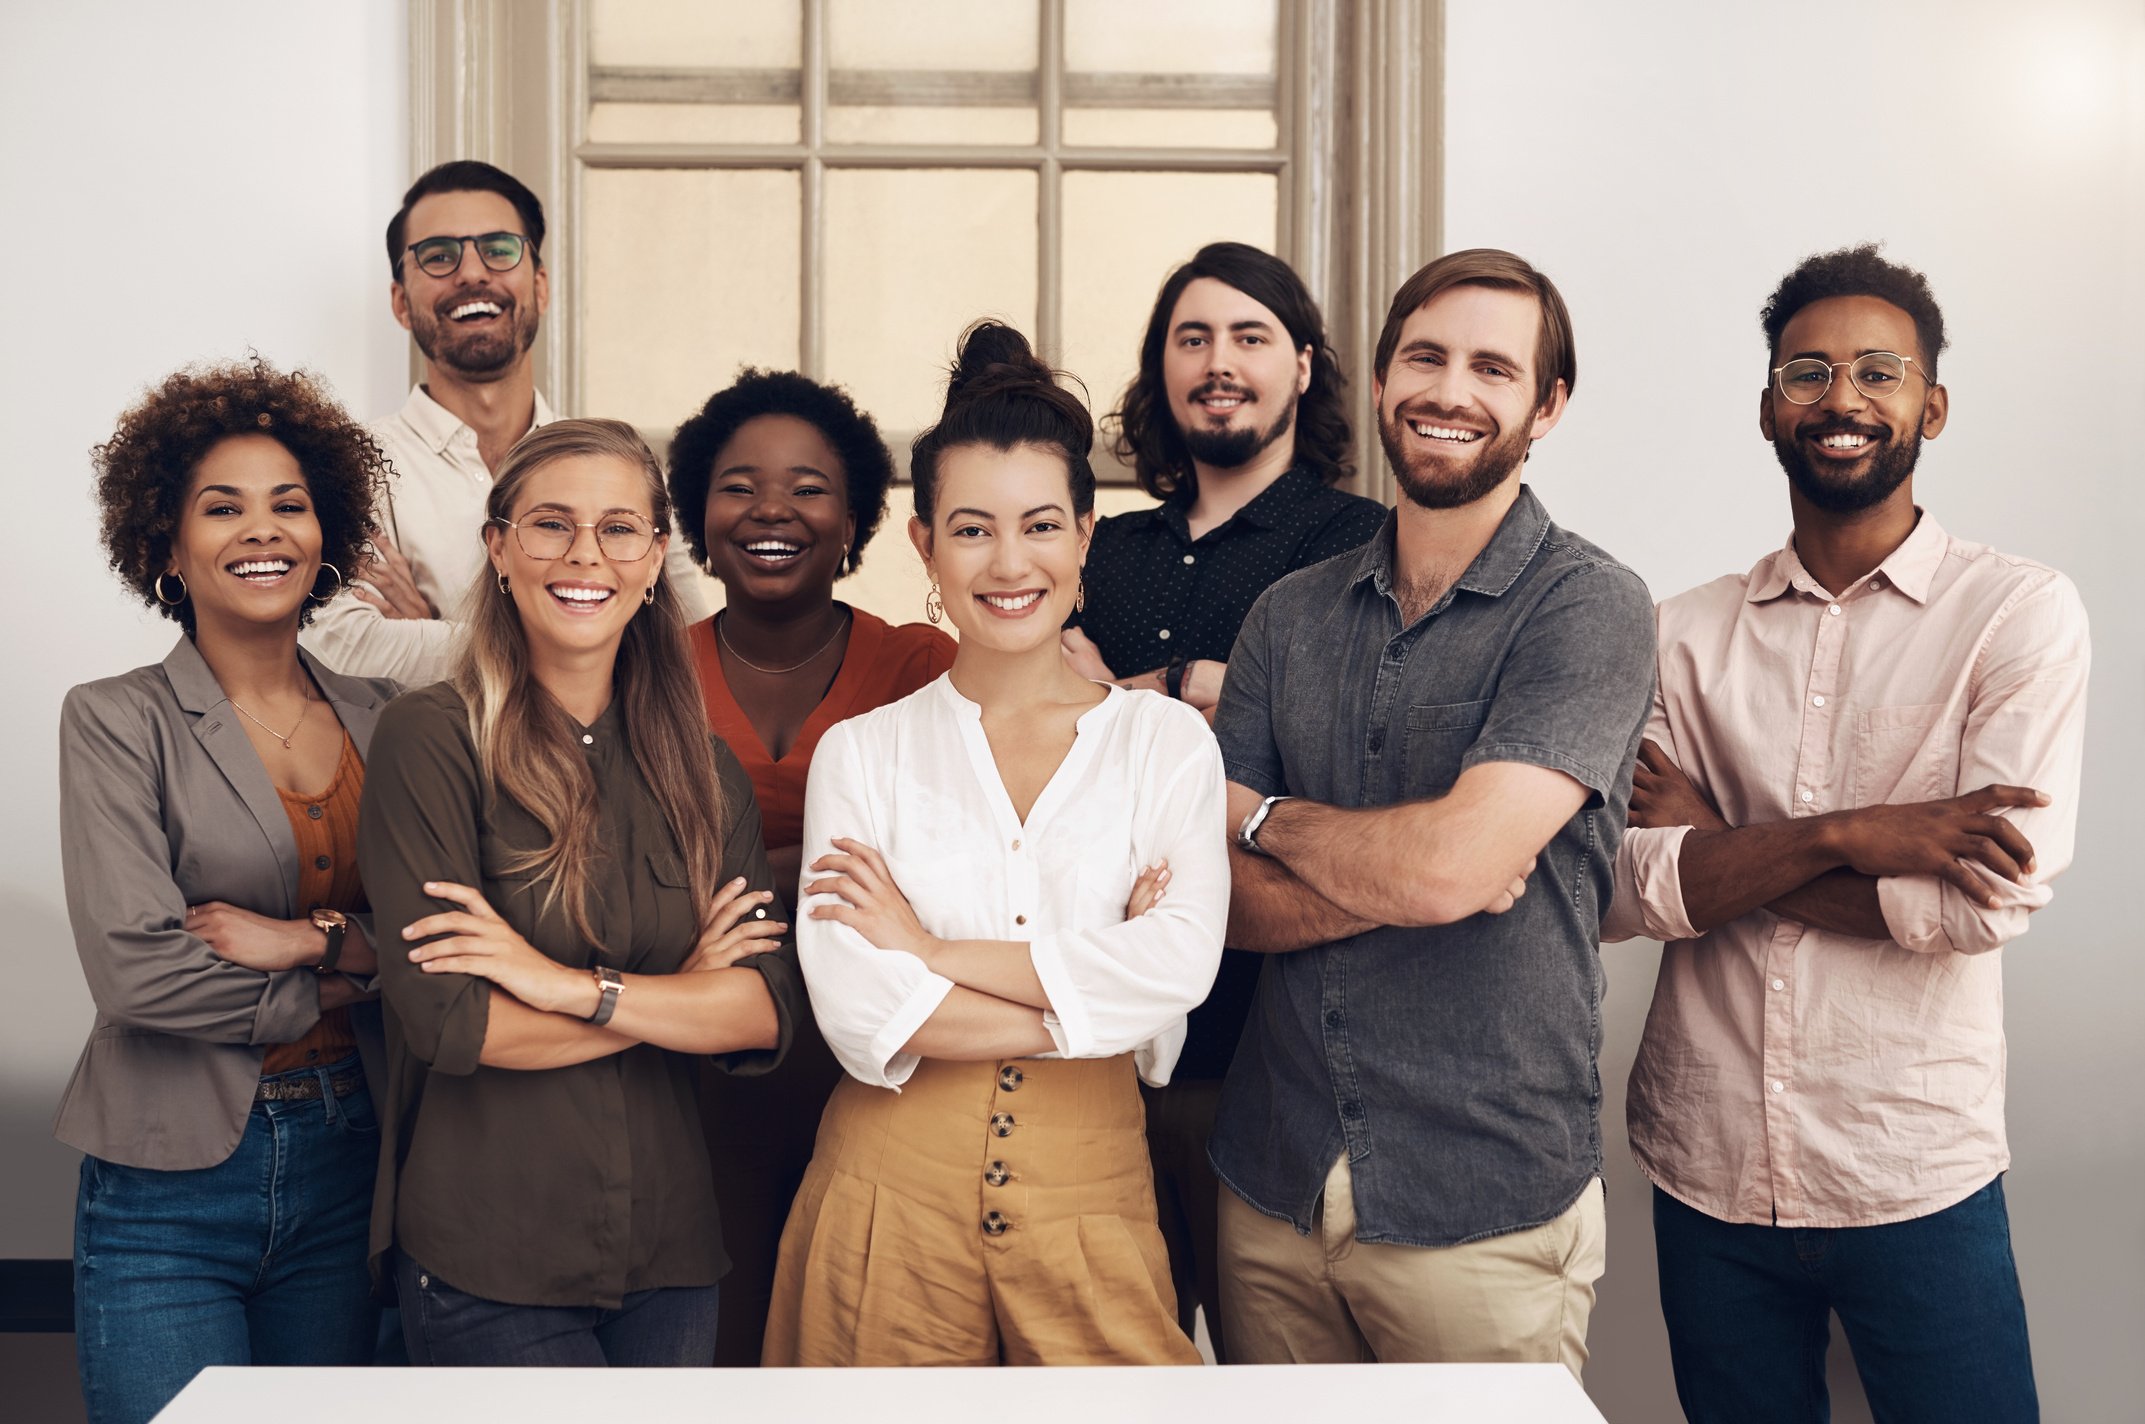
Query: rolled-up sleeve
x=1115, y=987
x=2025, y=726
x=868, y=1001
x=1648, y=898
x=144, y=970
x=419, y=822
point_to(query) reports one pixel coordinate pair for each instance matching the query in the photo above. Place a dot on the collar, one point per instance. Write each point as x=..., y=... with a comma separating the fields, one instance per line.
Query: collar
x=1266, y=509
x=197, y=690
x=438, y=426
x=965, y=710
x=1911, y=567
x=1511, y=549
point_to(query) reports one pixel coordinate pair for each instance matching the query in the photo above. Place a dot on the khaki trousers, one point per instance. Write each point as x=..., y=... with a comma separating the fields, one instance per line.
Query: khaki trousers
x=1329, y=1299
x=988, y=1213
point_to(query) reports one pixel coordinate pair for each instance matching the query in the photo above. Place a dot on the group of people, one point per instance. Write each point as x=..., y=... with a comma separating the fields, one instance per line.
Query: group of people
x=478, y=927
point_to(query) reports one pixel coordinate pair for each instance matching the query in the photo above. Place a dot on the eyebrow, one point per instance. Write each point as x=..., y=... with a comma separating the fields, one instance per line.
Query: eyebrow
x=1422, y=343
x=1250, y=324
x=749, y=468
x=987, y=515
x=1865, y=351
x=557, y=508
x=234, y=492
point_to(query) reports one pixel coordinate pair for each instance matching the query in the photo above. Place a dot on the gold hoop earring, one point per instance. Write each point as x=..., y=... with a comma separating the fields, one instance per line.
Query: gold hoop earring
x=158, y=588
x=324, y=597
x=934, y=606
x=503, y=584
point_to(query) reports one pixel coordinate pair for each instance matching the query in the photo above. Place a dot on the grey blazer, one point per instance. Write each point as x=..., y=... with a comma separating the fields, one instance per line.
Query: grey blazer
x=165, y=804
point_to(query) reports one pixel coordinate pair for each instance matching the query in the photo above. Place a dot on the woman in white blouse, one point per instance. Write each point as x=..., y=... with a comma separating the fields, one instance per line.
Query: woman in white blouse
x=1017, y=886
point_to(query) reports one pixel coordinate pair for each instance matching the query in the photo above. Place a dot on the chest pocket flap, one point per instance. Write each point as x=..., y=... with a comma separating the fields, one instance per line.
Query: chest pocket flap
x=1439, y=735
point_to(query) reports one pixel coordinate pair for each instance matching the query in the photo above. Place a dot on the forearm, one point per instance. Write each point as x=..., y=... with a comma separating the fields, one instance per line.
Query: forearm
x=1728, y=873
x=968, y=1027
x=517, y=1036
x=1000, y=968
x=705, y=1012
x=1199, y=684
x=1413, y=864
x=1271, y=910
x=1842, y=901
x=340, y=990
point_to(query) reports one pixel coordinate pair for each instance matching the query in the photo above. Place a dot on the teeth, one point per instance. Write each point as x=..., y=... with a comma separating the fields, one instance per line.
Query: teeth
x=251, y=567
x=581, y=595
x=1844, y=442
x=771, y=547
x=1011, y=603
x=1444, y=432
x=468, y=309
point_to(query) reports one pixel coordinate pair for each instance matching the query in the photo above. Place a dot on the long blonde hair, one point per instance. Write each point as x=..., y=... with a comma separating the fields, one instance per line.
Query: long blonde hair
x=525, y=743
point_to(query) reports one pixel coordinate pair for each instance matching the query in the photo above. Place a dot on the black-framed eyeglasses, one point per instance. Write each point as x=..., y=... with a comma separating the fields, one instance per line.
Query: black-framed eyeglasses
x=1875, y=374
x=442, y=256
x=621, y=535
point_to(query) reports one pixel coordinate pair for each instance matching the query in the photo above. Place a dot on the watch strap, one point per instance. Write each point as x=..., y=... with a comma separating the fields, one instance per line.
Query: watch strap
x=1247, y=835
x=610, y=986
x=1173, y=677
x=335, y=927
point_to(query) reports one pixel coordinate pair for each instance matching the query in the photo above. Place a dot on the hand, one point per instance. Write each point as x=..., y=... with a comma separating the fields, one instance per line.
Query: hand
x=478, y=942
x=732, y=931
x=1147, y=891
x=394, y=589
x=1202, y=684
x=1939, y=837
x=871, y=903
x=255, y=941
x=1661, y=795
x=1084, y=657
x=1511, y=894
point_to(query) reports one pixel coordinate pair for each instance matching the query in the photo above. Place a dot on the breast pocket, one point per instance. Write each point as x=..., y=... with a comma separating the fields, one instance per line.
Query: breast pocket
x=677, y=918
x=1438, y=738
x=1905, y=754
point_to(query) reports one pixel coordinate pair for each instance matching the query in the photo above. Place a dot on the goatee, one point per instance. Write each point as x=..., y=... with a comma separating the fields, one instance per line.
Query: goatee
x=1229, y=448
x=1840, y=492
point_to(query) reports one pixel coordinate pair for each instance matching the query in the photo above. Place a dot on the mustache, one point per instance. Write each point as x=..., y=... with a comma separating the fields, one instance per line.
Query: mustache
x=445, y=305
x=1224, y=388
x=1842, y=427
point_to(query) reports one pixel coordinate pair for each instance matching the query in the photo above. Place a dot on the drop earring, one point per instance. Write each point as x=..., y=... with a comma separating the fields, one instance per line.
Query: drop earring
x=934, y=606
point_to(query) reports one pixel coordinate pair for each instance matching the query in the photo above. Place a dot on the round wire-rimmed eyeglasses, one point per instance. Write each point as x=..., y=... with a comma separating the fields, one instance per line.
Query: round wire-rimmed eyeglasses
x=1875, y=374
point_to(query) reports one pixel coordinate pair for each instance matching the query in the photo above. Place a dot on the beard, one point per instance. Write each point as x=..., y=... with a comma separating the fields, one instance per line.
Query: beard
x=1838, y=491
x=480, y=354
x=1494, y=461
x=1231, y=448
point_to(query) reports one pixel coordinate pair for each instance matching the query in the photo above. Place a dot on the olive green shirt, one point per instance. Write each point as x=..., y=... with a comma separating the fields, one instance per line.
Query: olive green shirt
x=559, y=1186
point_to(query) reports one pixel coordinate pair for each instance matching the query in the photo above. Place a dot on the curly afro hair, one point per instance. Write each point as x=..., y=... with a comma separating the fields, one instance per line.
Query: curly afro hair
x=1855, y=272
x=144, y=470
x=867, y=467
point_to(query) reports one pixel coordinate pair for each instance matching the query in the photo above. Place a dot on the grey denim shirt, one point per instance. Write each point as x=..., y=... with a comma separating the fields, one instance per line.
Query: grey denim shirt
x=1455, y=1064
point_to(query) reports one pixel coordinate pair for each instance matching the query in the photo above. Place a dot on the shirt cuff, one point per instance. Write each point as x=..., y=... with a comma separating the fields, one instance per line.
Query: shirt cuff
x=892, y=1062
x=1067, y=1019
x=1656, y=857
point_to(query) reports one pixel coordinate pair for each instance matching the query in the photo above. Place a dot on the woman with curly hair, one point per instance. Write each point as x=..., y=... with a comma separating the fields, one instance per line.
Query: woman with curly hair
x=781, y=482
x=208, y=823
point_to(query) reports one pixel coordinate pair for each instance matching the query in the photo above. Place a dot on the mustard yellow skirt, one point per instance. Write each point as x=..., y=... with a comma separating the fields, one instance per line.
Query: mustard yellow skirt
x=988, y=1213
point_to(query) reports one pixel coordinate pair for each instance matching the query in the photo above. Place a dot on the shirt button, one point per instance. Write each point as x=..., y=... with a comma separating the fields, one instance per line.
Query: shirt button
x=997, y=1174
x=1877, y=582
x=1002, y=1124
x=1188, y=559
x=994, y=1223
x=1818, y=701
x=1010, y=1079
x=313, y=812
x=321, y=862
x=1834, y=610
x=1163, y=635
x=588, y=739
x=1809, y=796
x=1778, y=1086
x=1779, y=984
x=1020, y=919
x=1016, y=843
x=1333, y=1018
x=1351, y=1108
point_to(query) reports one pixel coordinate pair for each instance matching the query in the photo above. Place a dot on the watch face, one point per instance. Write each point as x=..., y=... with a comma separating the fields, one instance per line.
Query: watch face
x=328, y=919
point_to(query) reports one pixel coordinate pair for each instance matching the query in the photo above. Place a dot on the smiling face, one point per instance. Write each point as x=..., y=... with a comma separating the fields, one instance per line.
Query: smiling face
x=1231, y=374
x=1456, y=406
x=248, y=541
x=582, y=600
x=475, y=322
x=777, y=523
x=1004, y=545
x=1849, y=451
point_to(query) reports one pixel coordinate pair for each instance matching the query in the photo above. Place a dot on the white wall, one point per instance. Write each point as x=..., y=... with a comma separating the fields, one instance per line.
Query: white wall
x=182, y=182
x=1666, y=163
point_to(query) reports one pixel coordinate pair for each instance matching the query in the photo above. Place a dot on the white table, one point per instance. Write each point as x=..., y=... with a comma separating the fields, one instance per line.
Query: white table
x=1284, y=1394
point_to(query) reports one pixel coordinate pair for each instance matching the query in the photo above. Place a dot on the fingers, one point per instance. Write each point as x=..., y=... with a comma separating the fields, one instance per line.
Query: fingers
x=1994, y=856
x=447, y=922
x=734, y=904
x=365, y=595
x=471, y=900
x=1653, y=758
x=1972, y=886
x=1147, y=890
x=848, y=860
x=1990, y=797
x=840, y=885
x=2010, y=837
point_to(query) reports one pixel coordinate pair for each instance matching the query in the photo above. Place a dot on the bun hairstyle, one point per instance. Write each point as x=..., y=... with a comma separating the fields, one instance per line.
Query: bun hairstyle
x=1002, y=395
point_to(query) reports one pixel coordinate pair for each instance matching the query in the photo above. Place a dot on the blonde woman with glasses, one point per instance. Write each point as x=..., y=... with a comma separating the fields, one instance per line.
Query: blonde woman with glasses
x=565, y=870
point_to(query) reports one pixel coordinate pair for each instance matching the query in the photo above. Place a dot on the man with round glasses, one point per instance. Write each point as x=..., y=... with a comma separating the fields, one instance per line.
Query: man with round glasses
x=468, y=282
x=1860, y=777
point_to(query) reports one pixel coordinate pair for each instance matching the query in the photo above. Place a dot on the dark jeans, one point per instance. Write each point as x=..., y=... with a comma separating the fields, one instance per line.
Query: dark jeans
x=1931, y=1307
x=257, y=1260
x=1180, y=1119
x=445, y=1326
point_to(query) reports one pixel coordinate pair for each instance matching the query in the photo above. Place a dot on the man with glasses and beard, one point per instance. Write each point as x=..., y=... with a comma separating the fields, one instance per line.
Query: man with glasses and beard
x=1235, y=423
x=1860, y=776
x=1429, y=745
x=468, y=282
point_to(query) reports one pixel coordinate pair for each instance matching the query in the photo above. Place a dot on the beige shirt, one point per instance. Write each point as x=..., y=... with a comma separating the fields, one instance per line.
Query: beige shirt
x=1790, y=1075
x=434, y=512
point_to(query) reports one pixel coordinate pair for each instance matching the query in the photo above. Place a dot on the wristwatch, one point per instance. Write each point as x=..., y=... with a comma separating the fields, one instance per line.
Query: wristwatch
x=334, y=924
x=610, y=985
x=1247, y=835
x=1173, y=677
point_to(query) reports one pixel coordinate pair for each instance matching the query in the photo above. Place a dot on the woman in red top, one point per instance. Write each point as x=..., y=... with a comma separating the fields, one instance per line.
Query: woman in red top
x=779, y=483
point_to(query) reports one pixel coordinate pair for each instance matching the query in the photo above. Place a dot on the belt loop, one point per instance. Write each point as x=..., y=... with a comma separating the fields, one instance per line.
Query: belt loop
x=327, y=1094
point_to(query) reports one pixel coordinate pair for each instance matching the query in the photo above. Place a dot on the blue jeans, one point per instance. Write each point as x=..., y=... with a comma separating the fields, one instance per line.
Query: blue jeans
x=674, y=1326
x=257, y=1260
x=1931, y=1308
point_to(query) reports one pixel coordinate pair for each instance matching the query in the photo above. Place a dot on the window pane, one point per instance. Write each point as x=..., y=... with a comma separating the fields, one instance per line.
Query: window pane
x=1189, y=73
x=688, y=275
x=1113, y=268
x=680, y=71
x=913, y=256
x=931, y=71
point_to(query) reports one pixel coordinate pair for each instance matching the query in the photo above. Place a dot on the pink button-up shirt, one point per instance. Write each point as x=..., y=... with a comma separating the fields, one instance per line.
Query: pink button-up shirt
x=1794, y=1076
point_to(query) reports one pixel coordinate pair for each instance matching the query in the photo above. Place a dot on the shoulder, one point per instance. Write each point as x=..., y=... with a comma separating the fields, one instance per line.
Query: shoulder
x=1336, y=508
x=1311, y=587
x=885, y=725
x=1702, y=611
x=2031, y=611
x=432, y=716
x=1174, y=729
x=1114, y=526
x=918, y=644
x=365, y=691
x=130, y=700
x=1569, y=562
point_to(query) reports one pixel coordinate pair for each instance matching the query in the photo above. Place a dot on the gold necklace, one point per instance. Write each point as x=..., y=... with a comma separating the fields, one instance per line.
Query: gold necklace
x=279, y=736
x=839, y=629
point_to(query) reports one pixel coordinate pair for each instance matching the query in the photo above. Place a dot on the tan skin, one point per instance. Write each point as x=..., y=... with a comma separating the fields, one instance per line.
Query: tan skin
x=1004, y=529
x=779, y=481
x=709, y=1006
x=247, y=506
x=497, y=402
x=1227, y=364
x=1822, y=871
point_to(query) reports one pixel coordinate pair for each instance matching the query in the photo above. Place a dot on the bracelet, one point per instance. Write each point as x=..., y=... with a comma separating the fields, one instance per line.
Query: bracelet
x=1173, y=677
x=610, y=985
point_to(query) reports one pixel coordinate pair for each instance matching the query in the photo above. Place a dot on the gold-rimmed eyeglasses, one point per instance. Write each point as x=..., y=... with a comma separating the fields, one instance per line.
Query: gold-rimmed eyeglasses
x=547, y=534
x=1875, y=374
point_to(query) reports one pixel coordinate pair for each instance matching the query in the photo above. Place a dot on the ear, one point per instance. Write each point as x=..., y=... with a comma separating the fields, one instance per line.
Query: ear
x=495, y=547
x=543, y=288
x=1086, y=525
x=398, y=302
x=656, y=556
x=1935, y=411
x=1550, y=411
x=1765, y=415
x=849, y=534
x=1303, y=369
x=920, y=536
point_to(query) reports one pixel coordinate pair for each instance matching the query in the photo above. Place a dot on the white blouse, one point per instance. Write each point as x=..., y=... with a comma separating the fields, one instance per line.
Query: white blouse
x=916, y=781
